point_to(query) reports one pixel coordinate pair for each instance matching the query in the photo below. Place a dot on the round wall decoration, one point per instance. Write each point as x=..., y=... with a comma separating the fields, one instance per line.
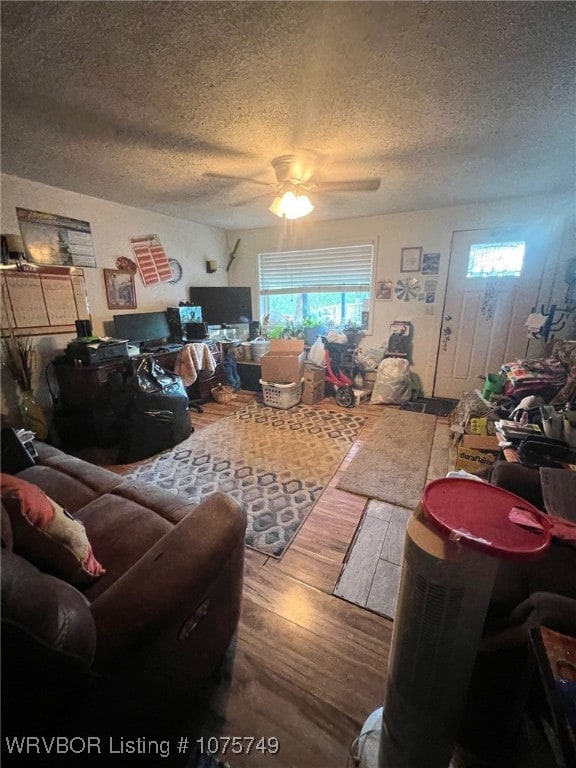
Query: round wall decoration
x=176, y=269
x=407, y=288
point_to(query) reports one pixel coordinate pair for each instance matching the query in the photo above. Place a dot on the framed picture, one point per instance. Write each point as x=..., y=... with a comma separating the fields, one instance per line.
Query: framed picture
x=411, y=260
x=384, y=290
x=120, y=289
x=431, y=264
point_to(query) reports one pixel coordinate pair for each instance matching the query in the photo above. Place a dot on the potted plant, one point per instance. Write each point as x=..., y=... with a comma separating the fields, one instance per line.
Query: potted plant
x=18, y=358
x=312, y=327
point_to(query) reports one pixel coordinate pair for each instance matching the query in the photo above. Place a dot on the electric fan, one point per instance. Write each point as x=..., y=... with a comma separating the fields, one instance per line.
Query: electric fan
x=451, y=550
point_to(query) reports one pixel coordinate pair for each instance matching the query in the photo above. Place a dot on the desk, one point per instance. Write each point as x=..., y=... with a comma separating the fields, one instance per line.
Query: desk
x=81, y=388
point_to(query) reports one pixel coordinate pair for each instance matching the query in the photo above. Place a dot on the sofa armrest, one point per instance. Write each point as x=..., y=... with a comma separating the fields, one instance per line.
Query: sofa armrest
x=174, y=579
x=48, y=644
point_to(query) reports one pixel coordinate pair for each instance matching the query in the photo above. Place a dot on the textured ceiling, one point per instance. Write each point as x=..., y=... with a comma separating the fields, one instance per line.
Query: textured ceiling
x=136, y=102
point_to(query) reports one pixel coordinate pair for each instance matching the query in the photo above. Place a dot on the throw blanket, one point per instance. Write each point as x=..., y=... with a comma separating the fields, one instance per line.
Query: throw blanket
x=531, y=376
x=191, y=359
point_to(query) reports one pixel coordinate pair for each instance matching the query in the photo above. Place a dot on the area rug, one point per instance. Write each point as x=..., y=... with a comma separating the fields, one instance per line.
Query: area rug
x=275, y=462
x=437, y=406
x=392, y=464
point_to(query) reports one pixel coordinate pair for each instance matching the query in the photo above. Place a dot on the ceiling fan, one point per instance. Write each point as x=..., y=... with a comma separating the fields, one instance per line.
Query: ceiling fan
x=294, y=180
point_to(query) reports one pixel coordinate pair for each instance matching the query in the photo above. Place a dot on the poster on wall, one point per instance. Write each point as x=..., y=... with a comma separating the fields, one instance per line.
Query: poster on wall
x=152, y=261
x=57, y=241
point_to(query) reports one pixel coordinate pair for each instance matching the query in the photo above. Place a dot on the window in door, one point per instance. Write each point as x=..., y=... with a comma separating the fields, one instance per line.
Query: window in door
x=332, y=285
x=496, y=259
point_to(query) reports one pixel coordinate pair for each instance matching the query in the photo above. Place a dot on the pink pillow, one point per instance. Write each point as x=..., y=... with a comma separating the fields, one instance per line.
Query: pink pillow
x=46, y=535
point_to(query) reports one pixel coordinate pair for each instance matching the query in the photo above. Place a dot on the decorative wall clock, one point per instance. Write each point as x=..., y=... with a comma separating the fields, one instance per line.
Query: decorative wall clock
x=407, y=288
x=176, y=269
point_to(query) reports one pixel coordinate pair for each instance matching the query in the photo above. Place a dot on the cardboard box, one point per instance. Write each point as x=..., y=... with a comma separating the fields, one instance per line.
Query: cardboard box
x=284, y=362
x=369, y=380
x=474, y=453
x=313, y=375
x=312, y=393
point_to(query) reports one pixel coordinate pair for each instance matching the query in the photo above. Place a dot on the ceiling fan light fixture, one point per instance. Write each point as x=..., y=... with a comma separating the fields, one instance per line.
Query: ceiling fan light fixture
x=291, y=205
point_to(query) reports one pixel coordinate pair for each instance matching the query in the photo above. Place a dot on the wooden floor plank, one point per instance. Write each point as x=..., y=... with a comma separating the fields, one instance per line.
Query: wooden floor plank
x=393, y=546
x=383, y=595
x=329, y=666
x=356, y=580
x=319, y=571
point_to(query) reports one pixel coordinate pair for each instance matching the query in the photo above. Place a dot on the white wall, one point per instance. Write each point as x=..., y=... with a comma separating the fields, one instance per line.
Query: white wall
x=431, y=229
x=112, y=226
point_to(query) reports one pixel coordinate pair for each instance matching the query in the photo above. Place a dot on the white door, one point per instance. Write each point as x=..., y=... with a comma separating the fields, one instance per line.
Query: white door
x=493, y=283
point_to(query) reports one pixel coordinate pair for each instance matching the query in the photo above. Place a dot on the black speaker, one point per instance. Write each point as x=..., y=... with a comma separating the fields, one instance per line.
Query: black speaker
x=83, y=329
x=254, y=330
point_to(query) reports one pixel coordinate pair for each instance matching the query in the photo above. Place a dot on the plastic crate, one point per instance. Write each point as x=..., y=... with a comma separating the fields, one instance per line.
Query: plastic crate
x=281, y=395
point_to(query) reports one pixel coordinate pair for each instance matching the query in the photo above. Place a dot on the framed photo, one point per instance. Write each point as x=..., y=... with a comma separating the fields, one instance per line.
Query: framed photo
x=384, y=290
x=411, y=260
x=431, y=264
x=120, y=289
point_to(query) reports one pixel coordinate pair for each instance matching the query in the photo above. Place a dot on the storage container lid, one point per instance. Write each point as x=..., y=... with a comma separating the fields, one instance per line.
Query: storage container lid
x=477, y=515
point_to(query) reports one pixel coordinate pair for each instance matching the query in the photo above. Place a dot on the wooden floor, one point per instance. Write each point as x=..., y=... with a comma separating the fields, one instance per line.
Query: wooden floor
x=309, y=667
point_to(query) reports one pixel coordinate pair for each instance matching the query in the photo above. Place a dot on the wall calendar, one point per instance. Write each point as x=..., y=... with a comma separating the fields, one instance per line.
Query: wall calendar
x=44, y=300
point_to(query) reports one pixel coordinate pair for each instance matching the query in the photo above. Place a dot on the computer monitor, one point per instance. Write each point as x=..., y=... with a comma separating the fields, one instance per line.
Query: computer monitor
x=227, y=305
x=142, y=327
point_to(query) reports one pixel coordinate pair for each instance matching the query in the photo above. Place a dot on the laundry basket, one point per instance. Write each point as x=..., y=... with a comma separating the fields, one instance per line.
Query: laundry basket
x=281, y=395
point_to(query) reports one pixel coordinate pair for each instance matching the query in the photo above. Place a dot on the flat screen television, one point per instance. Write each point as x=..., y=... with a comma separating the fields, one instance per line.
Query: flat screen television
x=142, y=327
x=223, y=306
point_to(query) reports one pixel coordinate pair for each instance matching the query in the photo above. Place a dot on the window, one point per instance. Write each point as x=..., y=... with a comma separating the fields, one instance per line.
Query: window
x=332, y=284
x=496, y=259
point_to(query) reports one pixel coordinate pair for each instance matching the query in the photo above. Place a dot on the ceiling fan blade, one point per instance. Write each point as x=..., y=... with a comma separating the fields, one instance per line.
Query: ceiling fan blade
x=238, y=178
x=270, y=195
x=360, y=185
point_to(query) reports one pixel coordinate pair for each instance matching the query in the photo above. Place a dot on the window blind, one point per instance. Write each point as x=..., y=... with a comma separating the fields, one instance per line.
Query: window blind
x=342, y=269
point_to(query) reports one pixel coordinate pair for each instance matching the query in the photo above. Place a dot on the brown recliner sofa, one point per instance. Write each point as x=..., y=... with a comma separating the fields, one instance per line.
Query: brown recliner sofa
x=134, y=648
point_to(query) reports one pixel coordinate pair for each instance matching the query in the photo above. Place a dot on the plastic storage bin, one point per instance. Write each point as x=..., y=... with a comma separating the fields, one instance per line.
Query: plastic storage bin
x=281, y=395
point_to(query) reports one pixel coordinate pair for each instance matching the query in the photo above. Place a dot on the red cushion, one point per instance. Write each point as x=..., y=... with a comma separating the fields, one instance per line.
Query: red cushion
x=46, y=535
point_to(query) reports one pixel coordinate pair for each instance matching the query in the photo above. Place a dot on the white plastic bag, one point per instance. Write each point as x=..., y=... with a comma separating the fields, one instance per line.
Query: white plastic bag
x=335, y=337
x=317, y=353
x=393, y=384
x=369, y=358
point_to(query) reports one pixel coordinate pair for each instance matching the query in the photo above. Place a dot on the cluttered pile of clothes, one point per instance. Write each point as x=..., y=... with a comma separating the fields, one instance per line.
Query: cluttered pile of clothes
x=551, y=377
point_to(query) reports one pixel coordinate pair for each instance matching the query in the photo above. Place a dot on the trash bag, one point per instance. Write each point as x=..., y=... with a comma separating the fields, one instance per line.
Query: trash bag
x=317, y=353
x=156, y=415
x=393, y=383
x=369, y=358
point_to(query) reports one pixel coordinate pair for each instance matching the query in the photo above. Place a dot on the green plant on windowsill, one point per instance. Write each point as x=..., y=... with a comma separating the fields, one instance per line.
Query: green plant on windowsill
x=289, y=330
x=311, y=321
x=311, y=327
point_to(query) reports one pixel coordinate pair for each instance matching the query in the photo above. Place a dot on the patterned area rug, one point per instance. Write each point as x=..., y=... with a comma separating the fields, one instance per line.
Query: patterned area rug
x=275, y=462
